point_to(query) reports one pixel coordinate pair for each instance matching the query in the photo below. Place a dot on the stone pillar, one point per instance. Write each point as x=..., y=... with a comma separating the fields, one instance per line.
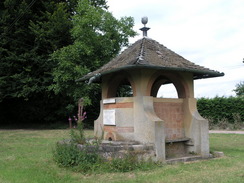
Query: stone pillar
x=196, y=128
x=160, y=141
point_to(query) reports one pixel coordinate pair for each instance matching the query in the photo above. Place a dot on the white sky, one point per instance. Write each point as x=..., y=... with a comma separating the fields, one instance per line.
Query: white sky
x=209, y=33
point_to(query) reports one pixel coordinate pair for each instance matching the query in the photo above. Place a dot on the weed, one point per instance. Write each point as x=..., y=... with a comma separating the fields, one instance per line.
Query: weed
x=69, y=155
x=238, y=124
x=125, y=164
x=225, y=124
x=77, y=135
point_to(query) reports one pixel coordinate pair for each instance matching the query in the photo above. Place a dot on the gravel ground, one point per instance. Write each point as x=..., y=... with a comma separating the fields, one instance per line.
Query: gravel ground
x=226, y=132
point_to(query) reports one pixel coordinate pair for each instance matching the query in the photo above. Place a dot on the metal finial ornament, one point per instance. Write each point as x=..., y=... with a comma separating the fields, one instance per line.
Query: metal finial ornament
x=144, y=21
x=144, y=29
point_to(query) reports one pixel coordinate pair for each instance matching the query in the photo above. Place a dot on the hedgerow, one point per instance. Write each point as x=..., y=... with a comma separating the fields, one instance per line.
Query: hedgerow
x=222, y=109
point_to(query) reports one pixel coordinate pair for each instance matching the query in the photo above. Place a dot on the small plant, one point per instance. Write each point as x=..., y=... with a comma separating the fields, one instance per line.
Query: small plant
x=125, y=164
x=77, y=134
x=192, y=153
x=238, y=124
x=225, y=124
x=66, y=155
x=69, y=155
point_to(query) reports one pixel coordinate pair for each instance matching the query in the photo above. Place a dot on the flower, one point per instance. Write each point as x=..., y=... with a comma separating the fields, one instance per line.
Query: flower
x=75, y=118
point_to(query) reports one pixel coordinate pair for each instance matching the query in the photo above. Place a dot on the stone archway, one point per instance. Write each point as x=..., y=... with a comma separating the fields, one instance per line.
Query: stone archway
x=120, y=82
x=159, y=82
x=160, y=78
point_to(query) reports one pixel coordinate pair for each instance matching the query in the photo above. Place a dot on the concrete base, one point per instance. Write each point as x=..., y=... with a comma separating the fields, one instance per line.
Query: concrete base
x=120, y=149
x=185, y=159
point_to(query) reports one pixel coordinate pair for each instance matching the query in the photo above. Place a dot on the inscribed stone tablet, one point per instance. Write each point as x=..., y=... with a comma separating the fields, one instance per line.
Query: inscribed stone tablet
x=109, y=117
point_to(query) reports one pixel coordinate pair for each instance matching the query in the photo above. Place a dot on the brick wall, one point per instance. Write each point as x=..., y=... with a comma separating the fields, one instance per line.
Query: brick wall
x=172, y=114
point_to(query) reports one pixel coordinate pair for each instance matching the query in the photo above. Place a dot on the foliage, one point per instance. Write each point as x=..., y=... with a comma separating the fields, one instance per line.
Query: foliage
x=69, y=155
x=240, y=89
x=44, y=47
x=221, y=108
x=77, y=135
x=98, y=37
x=129, y=163
x=30, y=32
x=225, y=124
x=124, y=91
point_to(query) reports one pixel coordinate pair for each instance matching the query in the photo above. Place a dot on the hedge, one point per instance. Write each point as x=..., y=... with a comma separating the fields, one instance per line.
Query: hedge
x=221, y=108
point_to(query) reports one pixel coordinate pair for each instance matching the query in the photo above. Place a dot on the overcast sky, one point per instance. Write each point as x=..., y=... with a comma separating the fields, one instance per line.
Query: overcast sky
x=209, y=33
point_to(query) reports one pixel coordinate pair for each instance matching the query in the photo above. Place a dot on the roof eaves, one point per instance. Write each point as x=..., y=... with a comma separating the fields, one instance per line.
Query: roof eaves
x=198, y=74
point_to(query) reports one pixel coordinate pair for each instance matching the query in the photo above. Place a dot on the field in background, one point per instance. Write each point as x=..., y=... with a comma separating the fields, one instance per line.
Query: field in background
x=26, y=156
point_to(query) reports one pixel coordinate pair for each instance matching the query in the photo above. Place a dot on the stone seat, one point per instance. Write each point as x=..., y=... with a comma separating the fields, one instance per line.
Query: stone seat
x=170, y=141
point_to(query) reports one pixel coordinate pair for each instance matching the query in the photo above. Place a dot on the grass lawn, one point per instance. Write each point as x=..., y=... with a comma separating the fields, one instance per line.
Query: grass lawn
x=26, y=157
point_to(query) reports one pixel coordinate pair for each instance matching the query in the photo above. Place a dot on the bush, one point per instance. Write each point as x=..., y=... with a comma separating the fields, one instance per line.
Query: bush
x=129, y=163
x=125, y=164
x=69, y=155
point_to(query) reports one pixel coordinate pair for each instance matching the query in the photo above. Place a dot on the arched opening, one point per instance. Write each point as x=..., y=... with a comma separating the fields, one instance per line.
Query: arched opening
x=164, y=88
x=124, y=89
x=120, y=87
x=168, y=86
x=167, y=91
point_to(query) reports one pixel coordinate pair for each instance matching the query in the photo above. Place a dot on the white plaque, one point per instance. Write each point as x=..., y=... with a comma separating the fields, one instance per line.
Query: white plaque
x=109, y=101
x=109, y=117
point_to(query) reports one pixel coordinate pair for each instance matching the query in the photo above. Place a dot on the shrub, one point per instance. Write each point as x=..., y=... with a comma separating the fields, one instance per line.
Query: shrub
x=129, y=163
x=223, y=112
x=125, y=164
x=77, y=135
x=66, y=155
x=69, y=155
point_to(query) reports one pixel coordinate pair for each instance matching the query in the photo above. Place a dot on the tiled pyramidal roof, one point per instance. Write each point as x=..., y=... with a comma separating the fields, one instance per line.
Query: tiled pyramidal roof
x=148, y=53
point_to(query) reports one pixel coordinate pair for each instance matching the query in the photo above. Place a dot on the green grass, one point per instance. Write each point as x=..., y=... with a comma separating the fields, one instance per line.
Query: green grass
x=26, y=157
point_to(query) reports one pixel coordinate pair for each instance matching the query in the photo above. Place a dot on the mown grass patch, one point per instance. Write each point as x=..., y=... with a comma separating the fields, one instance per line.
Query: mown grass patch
x=26, y=156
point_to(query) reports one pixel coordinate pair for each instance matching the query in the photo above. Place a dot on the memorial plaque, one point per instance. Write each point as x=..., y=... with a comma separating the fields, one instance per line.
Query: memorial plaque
x=109, y=101
x=109, y=117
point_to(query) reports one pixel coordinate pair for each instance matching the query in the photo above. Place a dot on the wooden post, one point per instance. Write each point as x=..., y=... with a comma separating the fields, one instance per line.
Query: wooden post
x=80, y=108
x=70, y=122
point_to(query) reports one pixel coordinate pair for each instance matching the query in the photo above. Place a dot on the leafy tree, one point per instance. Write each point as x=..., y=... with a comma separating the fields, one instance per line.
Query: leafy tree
x=98, y=37
x=30, y=31
x=240, y=89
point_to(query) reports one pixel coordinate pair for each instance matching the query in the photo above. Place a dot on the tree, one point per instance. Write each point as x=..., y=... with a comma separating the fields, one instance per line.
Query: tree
x=30, y=31
x=98, y=37
x=240, y=89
